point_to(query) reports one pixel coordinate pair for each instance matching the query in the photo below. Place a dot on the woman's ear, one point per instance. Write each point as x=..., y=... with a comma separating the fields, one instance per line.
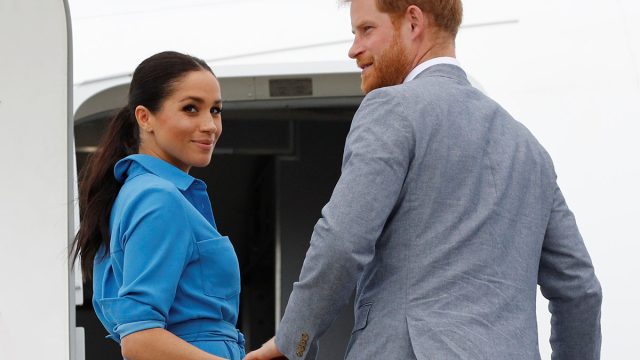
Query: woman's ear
x=144, y=118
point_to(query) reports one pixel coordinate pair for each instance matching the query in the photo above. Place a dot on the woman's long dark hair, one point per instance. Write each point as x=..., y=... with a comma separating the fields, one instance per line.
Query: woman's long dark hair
x=151, y=84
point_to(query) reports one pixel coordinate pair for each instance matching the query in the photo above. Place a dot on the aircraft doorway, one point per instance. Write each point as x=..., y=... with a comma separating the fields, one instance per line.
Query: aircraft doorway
x=274, y=168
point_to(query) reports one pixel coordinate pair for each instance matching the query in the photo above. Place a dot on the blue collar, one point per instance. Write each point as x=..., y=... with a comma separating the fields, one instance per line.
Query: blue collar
x=123, y=169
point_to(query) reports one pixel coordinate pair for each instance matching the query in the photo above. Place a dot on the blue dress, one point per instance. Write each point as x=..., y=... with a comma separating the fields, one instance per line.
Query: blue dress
x=168, y=266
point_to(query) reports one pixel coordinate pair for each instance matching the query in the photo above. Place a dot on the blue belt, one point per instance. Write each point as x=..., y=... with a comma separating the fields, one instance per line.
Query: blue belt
x=207, y=330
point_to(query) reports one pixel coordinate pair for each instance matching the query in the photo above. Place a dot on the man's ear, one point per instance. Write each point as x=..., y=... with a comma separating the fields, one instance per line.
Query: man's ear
x=144, y=118
x=417, y=20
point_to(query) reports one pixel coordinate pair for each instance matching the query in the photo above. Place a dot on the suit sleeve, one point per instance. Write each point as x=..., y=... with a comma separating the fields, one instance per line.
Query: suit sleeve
x=378, y=152
x=567, y=279
x=157, y=243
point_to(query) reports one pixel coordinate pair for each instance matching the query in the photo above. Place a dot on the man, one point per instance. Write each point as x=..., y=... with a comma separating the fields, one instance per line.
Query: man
x=447, y=215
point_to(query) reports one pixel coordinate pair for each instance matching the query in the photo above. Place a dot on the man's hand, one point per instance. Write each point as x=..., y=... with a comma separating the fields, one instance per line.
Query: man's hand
x=268, y=351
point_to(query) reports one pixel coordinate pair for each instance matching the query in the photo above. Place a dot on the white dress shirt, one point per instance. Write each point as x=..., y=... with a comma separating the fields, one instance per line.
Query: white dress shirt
x=435, y=61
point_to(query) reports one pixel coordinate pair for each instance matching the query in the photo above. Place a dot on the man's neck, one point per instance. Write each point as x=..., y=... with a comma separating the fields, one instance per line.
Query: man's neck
x=436, y=50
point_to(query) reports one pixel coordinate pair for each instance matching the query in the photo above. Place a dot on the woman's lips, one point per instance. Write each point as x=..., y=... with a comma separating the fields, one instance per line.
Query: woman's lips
x=205, y=144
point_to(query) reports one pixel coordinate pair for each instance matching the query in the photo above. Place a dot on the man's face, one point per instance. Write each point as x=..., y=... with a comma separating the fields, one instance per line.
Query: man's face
x=378, y=47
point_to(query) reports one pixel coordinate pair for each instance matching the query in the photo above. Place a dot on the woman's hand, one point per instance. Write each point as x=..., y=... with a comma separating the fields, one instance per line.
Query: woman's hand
x=268, y=351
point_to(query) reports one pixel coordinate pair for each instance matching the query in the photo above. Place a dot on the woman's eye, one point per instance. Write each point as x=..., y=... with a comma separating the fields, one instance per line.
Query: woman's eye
x=190, y=109
x=216, y=110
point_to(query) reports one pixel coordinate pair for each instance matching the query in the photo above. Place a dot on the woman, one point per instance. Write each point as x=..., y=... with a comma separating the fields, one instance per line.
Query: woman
x=166, y=284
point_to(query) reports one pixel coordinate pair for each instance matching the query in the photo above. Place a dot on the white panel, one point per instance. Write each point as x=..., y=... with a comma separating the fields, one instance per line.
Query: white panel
x=34, y=272
x=80, y=348
x=77, y=278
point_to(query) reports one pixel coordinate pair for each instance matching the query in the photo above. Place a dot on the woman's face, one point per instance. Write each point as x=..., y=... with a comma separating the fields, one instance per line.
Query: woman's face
x=184, y=131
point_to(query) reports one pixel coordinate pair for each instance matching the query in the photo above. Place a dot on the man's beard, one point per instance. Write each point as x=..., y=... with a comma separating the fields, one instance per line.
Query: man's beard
x=390, y=68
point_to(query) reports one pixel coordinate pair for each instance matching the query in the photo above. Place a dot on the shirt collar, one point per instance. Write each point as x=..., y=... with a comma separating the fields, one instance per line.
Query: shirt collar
x=124, y=169
x=435, y=61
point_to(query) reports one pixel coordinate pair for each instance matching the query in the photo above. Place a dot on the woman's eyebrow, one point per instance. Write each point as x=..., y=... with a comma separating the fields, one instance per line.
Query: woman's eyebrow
x=194, y=98
x=201, y=100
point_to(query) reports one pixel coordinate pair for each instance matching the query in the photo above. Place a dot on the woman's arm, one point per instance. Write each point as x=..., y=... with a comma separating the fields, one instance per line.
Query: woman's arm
x=160, y=344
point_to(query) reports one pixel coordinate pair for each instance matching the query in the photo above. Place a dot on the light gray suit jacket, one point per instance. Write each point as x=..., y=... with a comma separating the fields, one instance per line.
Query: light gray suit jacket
x=447, y=216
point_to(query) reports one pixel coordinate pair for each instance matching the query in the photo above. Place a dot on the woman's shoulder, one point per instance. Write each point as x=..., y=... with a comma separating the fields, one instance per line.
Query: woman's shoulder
x=150, y=189
x=149, y=180
x=148, y=207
